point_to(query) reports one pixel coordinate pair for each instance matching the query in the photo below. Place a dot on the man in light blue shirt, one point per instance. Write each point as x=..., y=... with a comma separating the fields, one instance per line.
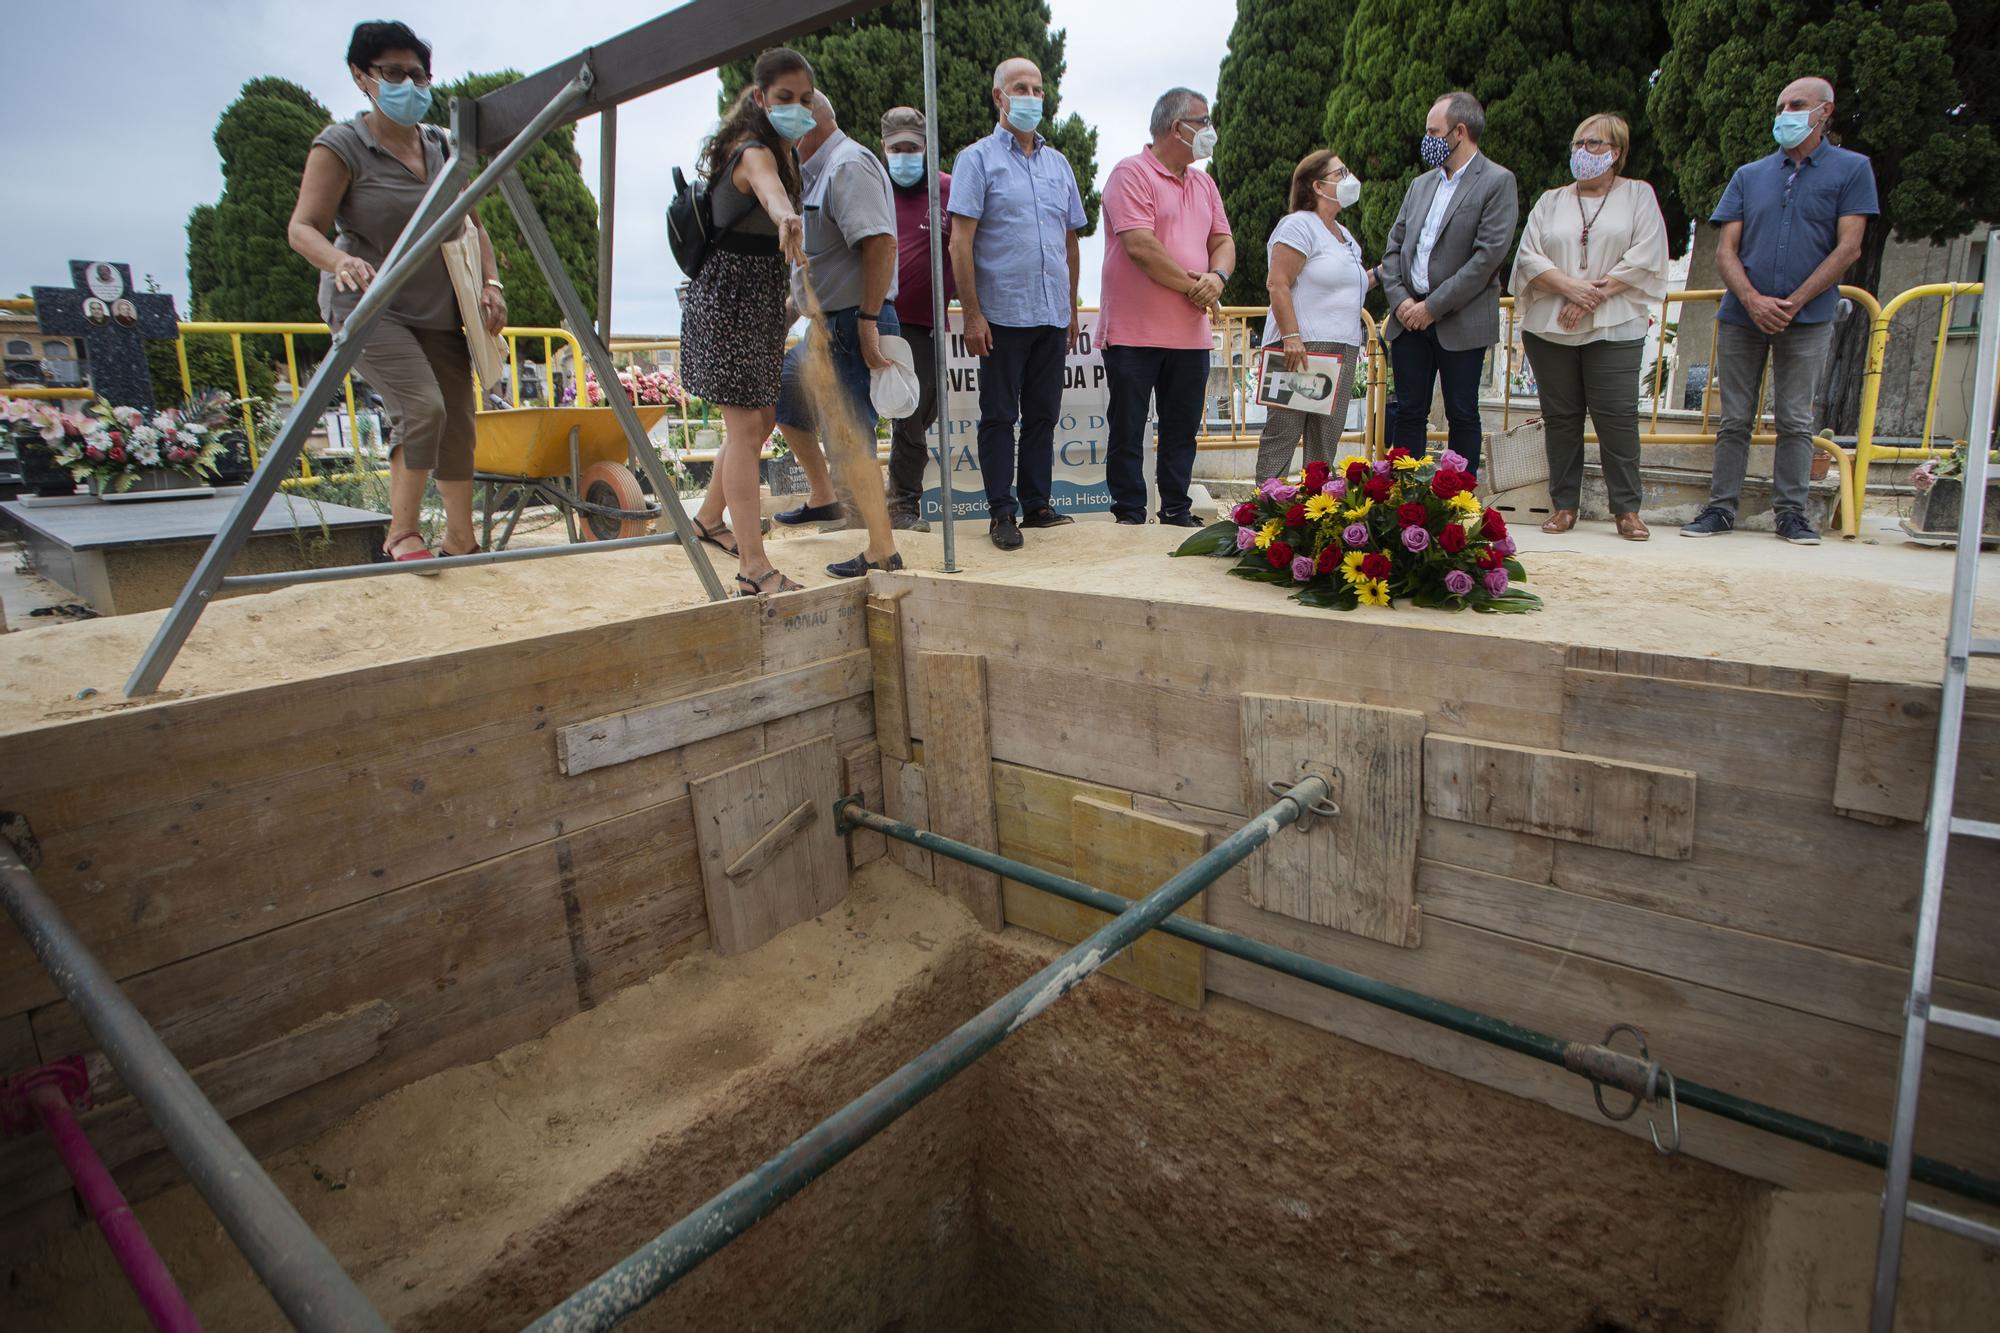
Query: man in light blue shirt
x=1788, y=226
x=1017, y=211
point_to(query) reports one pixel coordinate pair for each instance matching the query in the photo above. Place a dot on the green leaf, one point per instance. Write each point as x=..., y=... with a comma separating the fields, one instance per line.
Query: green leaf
x=1215, y=539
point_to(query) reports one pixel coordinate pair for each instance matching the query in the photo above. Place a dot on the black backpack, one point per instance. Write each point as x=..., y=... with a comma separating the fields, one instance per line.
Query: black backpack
x=691, y=229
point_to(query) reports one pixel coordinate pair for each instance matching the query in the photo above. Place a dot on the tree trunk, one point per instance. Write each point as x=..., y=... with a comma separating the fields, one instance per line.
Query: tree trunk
x=1840, y=395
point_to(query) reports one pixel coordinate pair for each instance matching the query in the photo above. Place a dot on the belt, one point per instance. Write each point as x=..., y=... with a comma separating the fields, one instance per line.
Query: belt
x=736, y=243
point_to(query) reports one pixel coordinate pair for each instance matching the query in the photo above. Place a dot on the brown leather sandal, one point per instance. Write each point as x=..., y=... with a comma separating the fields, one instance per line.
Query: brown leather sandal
x=749, y=587
x=714, y=536
x=1632, y=528
x=1560, y=521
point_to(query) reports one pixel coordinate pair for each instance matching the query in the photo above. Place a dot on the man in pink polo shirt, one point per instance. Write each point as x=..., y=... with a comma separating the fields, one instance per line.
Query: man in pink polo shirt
x=1172, y=256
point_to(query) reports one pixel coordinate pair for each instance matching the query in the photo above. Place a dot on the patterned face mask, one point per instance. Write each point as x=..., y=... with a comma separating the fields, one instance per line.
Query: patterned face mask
x=1434, y=150
x=1588, y=166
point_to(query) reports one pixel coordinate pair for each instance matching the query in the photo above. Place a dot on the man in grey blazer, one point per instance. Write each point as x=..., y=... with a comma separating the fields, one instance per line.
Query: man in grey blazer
x=1441, y=274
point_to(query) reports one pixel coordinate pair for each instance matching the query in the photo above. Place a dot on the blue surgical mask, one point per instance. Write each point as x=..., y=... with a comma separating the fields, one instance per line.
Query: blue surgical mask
x=906, y=168
x=1790, y=128
x=1434, y=150
x=405, y=102
x=1024, y=113
x=792, y=120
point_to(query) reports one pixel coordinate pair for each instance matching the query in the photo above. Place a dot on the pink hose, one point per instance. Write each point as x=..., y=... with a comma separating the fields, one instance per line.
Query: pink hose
x=149, y=1277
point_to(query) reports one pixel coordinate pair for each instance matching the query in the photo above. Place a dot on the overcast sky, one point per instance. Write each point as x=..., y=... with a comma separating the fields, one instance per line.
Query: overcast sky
x=108, y=155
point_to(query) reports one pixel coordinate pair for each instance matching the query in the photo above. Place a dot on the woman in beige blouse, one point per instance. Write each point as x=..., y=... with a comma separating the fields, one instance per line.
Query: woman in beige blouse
x=1591, y=258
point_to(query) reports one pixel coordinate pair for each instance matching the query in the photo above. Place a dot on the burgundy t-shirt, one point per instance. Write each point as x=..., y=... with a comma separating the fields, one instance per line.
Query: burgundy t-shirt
x=913, y=251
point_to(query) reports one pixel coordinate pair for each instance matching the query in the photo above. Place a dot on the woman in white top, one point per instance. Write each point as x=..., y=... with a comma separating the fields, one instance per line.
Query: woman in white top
x=1317, y=281
x=1591, y=258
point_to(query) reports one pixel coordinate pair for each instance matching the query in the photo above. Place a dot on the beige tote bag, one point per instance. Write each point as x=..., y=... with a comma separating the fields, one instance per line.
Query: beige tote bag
x=462, y=261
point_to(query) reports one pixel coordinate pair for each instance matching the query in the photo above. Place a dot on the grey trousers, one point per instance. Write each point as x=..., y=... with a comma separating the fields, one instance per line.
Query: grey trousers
x=1283, y=426
x=909, y=438
x=1798, y=358
x=1601, y=378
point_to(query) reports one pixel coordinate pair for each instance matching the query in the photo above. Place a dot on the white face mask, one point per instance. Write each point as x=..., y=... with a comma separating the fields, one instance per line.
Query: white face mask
x=1203, y=143
x=1345, y=191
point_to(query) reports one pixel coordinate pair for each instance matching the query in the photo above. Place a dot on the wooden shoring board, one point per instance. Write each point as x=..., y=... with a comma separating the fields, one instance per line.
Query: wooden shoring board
x=1888, y=744
x=861, y=772
x=1131, y=855
x=958, y=775
x=789, y=868
x=904, y=797
x=1356, y=871
x=1574, y=797
x=638, y=732
x=892, y=695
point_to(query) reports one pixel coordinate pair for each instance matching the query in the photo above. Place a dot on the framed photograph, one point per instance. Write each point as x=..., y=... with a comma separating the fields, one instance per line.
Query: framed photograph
x=1308, y=390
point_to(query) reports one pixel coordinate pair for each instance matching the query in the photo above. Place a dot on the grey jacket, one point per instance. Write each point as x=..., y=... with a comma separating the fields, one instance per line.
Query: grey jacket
x=1465, y=261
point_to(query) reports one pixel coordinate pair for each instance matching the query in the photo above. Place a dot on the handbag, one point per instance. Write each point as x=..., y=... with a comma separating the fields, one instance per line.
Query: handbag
x=462, y=261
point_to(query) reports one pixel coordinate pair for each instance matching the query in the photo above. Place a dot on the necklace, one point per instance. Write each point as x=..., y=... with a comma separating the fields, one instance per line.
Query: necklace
x=1591, y=221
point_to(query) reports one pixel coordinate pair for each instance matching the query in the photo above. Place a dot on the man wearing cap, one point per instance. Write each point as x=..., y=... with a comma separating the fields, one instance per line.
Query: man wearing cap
x=1016, y=212
x=850, y=245
x=903, y=144
x=1172, y=257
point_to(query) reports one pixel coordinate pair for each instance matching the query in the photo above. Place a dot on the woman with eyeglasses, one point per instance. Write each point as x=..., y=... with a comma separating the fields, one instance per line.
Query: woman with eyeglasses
x=365, y=178
x=1317, y=280
x=1593, y=255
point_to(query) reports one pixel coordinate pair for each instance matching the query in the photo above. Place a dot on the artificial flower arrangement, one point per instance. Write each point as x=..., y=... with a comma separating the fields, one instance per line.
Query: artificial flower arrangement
x=1403, y=527
x=113, y=447
x=645, y=387
x=1950, y=467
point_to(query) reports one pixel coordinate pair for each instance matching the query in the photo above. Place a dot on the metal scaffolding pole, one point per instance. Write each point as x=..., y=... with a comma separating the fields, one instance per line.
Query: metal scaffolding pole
x=306, y=1281
x=940, y=321
x=681, y=1248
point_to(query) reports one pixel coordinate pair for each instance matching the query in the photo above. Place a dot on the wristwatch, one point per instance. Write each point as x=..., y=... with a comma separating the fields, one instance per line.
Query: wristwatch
x=1220, y=274
x=862, y=314
x=496, y=284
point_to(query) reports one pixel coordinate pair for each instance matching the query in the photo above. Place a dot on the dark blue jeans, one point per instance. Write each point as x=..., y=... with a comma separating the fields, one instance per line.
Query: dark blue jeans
x=1419, y=362
x=1021, y=381
x=1178, y=377
x=844, y=342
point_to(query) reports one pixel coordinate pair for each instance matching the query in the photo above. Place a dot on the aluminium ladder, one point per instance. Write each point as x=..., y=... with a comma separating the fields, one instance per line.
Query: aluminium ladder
x=1939, y=828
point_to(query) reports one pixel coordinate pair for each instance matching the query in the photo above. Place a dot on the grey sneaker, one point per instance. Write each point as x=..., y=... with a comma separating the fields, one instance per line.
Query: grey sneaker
x=1794, y=529
x=903, y=521
x=1710, y=522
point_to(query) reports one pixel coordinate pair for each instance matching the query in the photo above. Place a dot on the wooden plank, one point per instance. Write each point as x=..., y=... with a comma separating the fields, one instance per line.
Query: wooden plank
x=1131, y=855
x=635, y=733
x=1888, y=745
x=1753, y=738
x=802, y=628
x=1852, y=990
x=121, y=1131
x=958, y=775
x=1034, y=824
x=1790, y=868
x=1521, y=856
x=885, y=646
x=1356, y=872
x=861, y=771
x=794, y=877
x=1709, y=671
x=904, y=798
x=1833, y=1071
x=17, y=1045
x=1577, y=798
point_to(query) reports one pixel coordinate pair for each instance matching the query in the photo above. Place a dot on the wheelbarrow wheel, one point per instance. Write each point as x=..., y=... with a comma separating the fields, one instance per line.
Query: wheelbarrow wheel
x=613, y=486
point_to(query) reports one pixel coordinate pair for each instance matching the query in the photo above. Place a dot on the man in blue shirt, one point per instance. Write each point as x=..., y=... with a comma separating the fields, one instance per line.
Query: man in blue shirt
x=1016, y=212
x=1791, y=224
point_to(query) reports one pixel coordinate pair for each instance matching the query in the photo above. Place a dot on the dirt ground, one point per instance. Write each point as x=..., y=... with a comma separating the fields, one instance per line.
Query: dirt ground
x=1871, y=607
x=1120, y=1164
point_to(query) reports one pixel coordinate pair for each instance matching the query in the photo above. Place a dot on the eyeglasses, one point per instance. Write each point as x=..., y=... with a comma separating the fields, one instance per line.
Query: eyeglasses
x=1337, y=175
x=1199, y=122
x=398, y=74
x=1594, y=145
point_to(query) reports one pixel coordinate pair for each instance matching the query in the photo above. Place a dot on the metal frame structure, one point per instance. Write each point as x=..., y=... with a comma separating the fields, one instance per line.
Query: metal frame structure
x=1940, y=826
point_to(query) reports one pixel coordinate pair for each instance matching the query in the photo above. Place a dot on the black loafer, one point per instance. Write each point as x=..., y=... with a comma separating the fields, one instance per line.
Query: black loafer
x=1133, y=522
x=905, y=522
x=1046, y=518
x=1006, y=533
x=809, y=513
x=1183, y=521
x=861, y=564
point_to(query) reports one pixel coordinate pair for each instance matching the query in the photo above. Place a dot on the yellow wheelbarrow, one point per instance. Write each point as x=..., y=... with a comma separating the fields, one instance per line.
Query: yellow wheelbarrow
x=574, y=458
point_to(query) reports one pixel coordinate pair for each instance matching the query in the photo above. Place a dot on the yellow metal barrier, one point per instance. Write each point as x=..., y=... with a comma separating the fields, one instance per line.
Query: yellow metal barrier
x=1866, y=451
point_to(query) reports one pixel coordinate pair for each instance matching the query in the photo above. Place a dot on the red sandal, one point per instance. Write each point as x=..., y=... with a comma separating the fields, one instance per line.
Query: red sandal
x=389, y=547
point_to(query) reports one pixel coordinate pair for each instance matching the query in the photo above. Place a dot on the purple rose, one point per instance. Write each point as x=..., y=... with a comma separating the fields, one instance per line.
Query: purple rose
x=1244, y=538
x=1284, y=494
x=1416, y=538
x=1457, y=582
x=1270, y=487
x=1382, y=466
x=1451, y=461
x=1505, y=546
x=1496, y=581
x=1337, y=488
x=1302, y=568
x=1355, y=534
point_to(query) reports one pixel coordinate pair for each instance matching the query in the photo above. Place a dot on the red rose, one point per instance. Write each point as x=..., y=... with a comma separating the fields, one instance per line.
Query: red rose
x=117, y=436
x=1377, y=488
x=1280, y=555
x=1329, y=559
x=1356, y=469
x=1316, y=474
x=92, y=452
x=1444, y=485
x=1245, y=513
x=1495, y=527
x=1490, y=559
x=117, y=454
x=1375, y=565
x=1452, y=539
x=1412, y=515
x=1396, y=453
x=1295, y=517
